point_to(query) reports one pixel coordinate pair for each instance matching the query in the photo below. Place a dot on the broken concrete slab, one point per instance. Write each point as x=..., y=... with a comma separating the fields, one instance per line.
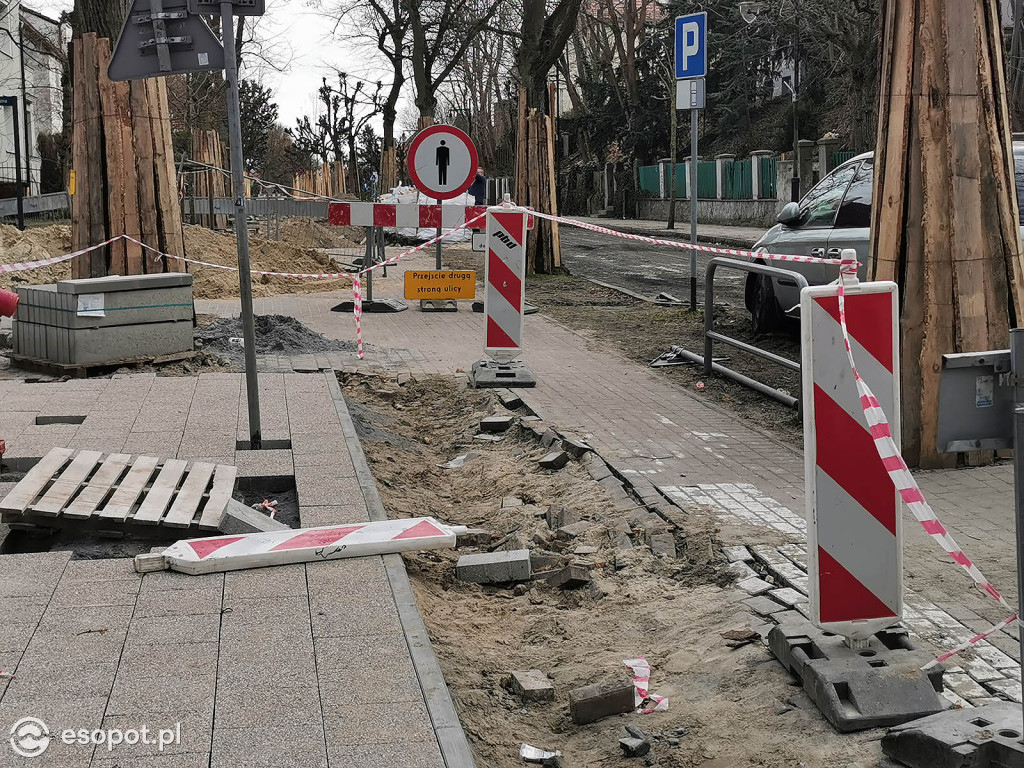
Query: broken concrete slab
x=570, y=577
x=590, y=703
x=738, y=554
x=240, y=518
x=485, y=438
x=495, y=567
x=754, y=586
x=495, y=424
x=532, y=685
x=763, y=606
x=548, y=437
x=634, y=747
x=511, y=501
x=472, y=537
x=554, y=460
x=509, y=399
x=576, y=529
x=663, y=544
x=558, y=517
x=575, y=448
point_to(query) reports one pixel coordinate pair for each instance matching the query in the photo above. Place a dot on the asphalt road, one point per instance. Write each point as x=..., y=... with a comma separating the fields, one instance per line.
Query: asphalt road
x=644, y=269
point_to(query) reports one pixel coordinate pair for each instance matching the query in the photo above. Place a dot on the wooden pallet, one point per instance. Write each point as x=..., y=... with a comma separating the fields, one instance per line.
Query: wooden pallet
x=69, y=488
x=84, y=370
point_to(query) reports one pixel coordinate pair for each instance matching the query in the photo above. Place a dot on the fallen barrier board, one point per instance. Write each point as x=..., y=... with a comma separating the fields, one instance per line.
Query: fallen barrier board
x=301, y=545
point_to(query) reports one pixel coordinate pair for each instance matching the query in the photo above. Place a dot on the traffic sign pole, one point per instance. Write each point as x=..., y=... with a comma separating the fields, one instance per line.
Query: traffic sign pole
x=252, y=388
x=694, y=162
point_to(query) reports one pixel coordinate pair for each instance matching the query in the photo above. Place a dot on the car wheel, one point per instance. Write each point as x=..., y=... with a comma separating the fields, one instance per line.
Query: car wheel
x=765, y=315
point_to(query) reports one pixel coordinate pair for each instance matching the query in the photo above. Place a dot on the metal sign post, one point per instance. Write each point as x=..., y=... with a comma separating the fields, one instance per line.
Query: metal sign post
x=164, y=37
x=252, y=387
x=691, y=48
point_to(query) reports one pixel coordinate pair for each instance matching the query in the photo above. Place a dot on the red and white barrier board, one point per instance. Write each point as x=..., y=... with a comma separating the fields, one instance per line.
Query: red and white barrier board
x=306, y=545
x=505, y=283
x=854, y=533
x=403, y=215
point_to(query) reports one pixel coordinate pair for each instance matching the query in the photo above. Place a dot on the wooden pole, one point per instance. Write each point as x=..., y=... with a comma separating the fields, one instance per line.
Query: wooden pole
x=945, y=221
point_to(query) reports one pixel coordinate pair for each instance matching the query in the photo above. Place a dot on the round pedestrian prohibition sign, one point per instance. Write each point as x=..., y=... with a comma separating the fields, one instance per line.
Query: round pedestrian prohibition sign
x=442, y=161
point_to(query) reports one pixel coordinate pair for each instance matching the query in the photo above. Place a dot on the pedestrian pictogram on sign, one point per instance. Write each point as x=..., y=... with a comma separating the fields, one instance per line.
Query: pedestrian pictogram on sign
x=442, y=162
x=854, y=532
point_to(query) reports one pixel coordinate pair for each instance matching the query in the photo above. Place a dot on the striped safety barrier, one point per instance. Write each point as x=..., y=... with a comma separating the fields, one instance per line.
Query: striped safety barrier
x=854, y=535
x=404, y=215
x=505, y=283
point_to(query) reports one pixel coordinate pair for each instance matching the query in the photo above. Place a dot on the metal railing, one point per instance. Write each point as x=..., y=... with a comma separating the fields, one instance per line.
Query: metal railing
x=711, y=335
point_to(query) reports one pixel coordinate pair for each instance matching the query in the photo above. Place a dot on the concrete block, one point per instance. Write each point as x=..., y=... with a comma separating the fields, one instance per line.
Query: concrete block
x=663, y=544
x=763, y=606
x=496, y=423
x=548, y=437
x=570, y=577
x=511, y=501
x=474, y=537
x=738, y=554
x=591, y=703
x=634, y=747
x=509, y=399
x=114, y=283
x=495, y=567
x=554, y=460
x=575, y=448
x=239, y=518
x=532, y=685
x=100, y=345
x=558, y=517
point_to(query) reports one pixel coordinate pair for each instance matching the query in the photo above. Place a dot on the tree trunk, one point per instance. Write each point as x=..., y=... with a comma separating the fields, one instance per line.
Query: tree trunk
x=122, y=154
x=945, y=219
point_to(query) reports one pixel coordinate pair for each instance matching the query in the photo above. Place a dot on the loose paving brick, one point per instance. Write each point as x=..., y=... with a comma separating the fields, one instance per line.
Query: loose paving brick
x=591, y=703
x=495, y=567
x=532, y=685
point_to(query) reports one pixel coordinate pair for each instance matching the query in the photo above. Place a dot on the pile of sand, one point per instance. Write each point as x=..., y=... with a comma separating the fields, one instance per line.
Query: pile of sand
x=39, y=243
x=32, y=245
x=210, y=283
x=304, y=232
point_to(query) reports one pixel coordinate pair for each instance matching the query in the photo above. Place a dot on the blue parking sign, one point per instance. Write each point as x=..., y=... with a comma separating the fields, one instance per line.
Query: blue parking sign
x=691, y=46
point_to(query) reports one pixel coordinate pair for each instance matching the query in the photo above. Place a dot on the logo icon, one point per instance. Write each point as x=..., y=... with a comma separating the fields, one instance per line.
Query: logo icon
x=30, y=737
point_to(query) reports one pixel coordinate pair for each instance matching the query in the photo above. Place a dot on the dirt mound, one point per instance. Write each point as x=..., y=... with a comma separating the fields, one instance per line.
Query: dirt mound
x=304, y=232
x=32, y=245
x=39, y=243
x=275, y=334
x=273, y=256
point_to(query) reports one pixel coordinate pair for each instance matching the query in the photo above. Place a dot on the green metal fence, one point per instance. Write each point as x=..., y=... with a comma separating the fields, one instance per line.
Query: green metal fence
x=707, y=180
x=650, y=181
x=738, y=180
x=768, y=176
x=838, y=158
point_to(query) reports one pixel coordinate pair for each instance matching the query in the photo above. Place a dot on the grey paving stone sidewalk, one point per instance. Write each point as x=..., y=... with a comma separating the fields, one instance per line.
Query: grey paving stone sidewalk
x=648, y=427
x=300, y=665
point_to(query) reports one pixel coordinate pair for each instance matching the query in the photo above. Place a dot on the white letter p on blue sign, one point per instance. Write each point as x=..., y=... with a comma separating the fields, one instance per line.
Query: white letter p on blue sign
x=691, y=46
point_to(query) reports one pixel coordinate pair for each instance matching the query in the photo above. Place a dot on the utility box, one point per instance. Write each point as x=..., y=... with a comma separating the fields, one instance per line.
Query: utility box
x=98, y=321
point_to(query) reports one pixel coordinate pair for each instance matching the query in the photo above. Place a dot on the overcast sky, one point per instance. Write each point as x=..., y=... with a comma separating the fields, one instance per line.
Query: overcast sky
x=301, y=40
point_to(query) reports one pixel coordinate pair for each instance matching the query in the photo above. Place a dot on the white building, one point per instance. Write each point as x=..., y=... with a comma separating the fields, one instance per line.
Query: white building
x=32, y=53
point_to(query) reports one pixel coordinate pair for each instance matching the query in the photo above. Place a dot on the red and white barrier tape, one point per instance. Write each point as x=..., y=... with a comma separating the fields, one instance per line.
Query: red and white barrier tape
x=641, y=692
x=904, y=481
x=24, y=266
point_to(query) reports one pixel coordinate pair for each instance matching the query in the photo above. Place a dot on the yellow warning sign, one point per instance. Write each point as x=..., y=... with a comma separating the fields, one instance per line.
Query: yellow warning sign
x=71, y=183
x=440, y=284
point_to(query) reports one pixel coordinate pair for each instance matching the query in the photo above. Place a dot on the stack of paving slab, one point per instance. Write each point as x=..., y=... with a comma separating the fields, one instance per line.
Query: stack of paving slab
x=101, y=320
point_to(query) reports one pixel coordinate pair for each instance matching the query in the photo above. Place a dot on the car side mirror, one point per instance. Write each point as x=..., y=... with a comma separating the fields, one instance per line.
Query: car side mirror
x=789, y=214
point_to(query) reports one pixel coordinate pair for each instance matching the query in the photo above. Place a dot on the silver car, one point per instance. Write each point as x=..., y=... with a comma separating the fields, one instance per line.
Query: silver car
x=833, y=216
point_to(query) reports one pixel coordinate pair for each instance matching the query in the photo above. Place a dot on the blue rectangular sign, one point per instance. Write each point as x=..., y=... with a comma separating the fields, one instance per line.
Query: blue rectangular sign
x=691, y=46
